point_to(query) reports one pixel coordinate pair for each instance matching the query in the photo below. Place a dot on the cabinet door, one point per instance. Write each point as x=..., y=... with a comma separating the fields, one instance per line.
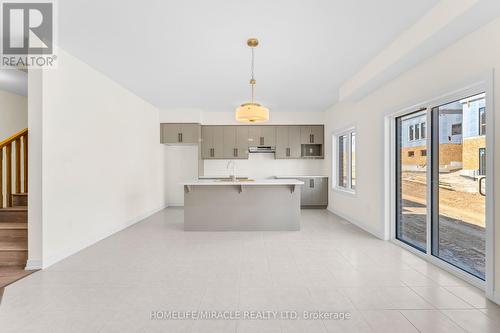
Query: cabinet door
x=305, y=134
x=170, y=133
x=317, y=135
x=322, y=191
x=294, y=141
x=229, y=142
x=189, y=133
x=218, y=141
x=254, y=136
x=306, y=194
x=206, y=142
x=242, y=141
x=269, y=135
x=282, y=147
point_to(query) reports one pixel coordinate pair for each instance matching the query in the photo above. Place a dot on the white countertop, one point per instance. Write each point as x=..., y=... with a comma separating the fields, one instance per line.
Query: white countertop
x=295, y=176
x=220, y=176
x=256, y=182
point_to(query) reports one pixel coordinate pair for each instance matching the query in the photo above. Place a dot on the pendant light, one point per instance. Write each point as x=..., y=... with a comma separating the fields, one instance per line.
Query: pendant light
x=252, y=111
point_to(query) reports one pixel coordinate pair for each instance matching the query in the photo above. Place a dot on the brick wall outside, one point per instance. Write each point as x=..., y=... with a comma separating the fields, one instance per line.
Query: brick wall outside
x=417, y=159
x=448, y=152
x=471, y=152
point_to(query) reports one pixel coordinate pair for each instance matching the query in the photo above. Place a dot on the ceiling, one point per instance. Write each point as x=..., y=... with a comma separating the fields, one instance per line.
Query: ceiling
x=193, y=53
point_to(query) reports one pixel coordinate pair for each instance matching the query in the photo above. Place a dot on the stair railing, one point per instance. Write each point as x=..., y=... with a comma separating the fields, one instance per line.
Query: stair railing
x=19, y=144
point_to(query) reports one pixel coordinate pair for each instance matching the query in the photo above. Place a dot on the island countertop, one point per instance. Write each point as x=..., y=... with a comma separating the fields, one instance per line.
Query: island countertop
x=257, y=182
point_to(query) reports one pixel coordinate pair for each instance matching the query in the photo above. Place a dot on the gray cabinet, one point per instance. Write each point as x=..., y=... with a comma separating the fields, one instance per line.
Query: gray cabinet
x=235, y=142
x=312, y=134
x=262, y=136
x=178, y=133
x=287, y=142
x=212, y=142
x=314, y=192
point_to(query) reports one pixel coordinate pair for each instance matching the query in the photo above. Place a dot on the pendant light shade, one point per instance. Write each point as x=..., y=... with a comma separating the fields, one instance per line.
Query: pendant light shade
x=252, y=112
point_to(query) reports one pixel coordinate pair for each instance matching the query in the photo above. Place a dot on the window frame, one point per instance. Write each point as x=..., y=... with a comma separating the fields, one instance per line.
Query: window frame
x=348, y=133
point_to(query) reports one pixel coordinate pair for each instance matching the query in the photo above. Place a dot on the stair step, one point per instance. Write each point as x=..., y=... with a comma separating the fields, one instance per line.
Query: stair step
x=13, y=235
x=13, y=257
x=7, y=246
x=13, y=226
x=19, y=199
x=14, y=214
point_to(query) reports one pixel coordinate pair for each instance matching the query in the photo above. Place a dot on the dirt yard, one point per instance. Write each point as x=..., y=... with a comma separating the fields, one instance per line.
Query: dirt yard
x=458, y=196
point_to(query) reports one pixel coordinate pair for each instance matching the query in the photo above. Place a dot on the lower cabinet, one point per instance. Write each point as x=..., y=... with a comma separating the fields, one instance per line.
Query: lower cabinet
x=314, y=192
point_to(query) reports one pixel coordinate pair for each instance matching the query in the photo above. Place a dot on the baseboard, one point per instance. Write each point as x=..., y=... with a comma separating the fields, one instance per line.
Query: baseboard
x=496, y=297
x=33, y=264
x=375, y=233
x=47, y=262
x=175, y=205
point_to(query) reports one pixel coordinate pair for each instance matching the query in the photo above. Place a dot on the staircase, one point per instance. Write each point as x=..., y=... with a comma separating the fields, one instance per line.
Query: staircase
x=14, y=204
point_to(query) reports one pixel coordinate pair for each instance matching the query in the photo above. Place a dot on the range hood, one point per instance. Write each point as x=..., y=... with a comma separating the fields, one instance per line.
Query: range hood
x=262, y=149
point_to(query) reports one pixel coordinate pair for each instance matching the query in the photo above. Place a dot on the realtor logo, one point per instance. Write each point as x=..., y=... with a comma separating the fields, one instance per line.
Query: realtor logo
x=28, y=34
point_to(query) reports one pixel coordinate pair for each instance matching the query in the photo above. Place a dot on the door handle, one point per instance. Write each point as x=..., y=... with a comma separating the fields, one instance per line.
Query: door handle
x=261, y=140
x=481, y=188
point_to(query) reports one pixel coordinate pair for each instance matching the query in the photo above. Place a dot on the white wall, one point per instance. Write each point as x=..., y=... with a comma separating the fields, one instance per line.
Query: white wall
x=13, y=114
x=102, y=161
x=35, y=222
x=185, y=169
x=180, y=161
x=455, y=67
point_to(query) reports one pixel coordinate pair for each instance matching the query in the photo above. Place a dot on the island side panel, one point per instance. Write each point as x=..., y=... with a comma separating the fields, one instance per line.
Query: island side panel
x=256, y=208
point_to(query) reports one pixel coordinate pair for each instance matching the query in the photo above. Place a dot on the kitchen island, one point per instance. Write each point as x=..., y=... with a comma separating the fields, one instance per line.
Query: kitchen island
x=242, y=205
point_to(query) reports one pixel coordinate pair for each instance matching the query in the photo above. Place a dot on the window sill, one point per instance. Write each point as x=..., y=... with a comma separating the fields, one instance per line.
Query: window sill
x=343, y=190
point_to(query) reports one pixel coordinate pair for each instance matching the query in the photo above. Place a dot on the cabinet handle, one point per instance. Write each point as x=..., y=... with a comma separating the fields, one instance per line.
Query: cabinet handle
x=311, y=183
x=288, y=152
x=235, y=152
x=312, y=138
x=181, y=136
x=178, y=137
x=212, y=152
x=261, y=140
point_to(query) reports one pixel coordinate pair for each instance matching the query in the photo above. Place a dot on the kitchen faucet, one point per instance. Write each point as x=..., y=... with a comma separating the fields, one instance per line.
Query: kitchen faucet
x=231, y=164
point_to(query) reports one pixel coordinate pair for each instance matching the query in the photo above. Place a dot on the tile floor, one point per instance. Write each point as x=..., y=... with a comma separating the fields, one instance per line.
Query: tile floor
x=330, y=265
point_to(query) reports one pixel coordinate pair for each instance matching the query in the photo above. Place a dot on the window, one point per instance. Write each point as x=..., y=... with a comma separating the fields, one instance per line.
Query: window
x=411, y=134
x=417, y=132
x=345, y=160
x=411, y=153
x=482, y=121
x=353, y=160
x=423, y=152
x=456, y=129
x=423, y=131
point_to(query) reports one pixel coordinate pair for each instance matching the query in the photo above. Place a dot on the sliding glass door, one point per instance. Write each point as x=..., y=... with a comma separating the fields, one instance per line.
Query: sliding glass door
x=411, y=179
x=458, y=214
x=440, y=182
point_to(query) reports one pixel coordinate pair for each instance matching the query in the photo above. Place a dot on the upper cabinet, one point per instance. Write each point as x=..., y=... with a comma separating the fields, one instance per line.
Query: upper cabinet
x=312, y=134
x=212, y=142
x=180, y=133
x=288, y=142
x=235, y=142
x=262, y=136
x=232, y=141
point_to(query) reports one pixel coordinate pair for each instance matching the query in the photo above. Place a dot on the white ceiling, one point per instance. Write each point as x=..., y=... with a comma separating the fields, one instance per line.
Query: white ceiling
x=193, y=53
